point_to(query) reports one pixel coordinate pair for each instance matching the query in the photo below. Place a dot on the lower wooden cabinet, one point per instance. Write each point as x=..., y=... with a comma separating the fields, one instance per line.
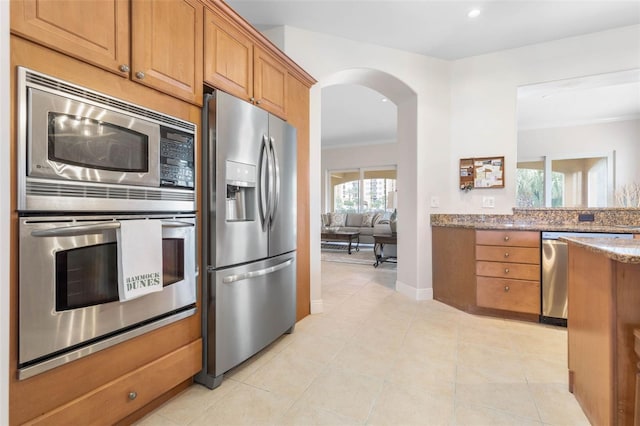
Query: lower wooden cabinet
x=604, y=296
x=454, y=279
x=509, y=295
x=490, y=272
x=129, y=393
x=508, y=270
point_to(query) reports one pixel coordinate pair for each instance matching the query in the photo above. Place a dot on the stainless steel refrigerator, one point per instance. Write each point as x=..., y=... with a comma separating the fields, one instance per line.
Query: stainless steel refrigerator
x=248, y=232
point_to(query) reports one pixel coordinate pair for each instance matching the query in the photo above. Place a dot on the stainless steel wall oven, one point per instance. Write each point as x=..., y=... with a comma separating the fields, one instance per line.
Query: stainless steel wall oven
x=88, y=163
x=69, y=304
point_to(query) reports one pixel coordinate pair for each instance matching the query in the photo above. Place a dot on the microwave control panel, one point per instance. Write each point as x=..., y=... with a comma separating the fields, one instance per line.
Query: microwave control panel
x=176, y=158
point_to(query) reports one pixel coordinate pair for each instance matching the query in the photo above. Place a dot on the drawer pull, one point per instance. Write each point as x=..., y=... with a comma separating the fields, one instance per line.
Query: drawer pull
x=506, y=288
x=506, y=255
x=506, y=238
x=506, y=270
x=133, y=395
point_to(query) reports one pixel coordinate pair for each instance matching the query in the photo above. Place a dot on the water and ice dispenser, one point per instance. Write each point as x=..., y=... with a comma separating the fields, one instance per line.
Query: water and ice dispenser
x=241, y=186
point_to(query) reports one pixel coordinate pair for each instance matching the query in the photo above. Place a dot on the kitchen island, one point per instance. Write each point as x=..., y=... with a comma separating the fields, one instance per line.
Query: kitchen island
x=604, y=310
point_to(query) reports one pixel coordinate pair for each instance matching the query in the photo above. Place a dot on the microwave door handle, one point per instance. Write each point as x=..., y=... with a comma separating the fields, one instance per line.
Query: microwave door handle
x=253, y=274
x=96, y=228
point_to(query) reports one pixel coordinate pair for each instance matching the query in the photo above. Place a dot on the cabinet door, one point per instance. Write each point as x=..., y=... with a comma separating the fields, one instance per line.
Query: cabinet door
x=509, y=295
x=508, y=254
x=110, y=403
x=96, y=32
x=166, y=47
x=228, y=57
x=269, y=83
x=508, y=238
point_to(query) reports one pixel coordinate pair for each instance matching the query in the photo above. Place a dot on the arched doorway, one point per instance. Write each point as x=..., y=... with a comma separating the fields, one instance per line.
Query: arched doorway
x=405, y=99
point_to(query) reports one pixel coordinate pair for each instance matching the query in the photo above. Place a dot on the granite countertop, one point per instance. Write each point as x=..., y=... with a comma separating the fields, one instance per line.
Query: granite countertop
x=534, y=226
x=619, y=221
x=621, y=250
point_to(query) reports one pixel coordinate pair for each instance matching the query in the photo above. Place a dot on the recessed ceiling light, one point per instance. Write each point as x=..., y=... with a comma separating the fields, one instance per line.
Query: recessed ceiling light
x=385, y=100
x=473, y=13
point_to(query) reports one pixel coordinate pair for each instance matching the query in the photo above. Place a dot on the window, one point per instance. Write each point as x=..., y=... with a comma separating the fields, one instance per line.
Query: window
x=573, y=182
x=361, y=190
x=530, y=184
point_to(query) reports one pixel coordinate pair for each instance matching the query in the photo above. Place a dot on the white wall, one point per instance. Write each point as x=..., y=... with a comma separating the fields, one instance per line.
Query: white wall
x=484, y=92
x=5, y=191
x=600, y=138
x=355, y=157
x=421, y=138
x=466, y=108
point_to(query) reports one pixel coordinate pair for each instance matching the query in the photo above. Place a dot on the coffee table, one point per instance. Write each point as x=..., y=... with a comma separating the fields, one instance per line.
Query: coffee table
x=350, y=237
x=378, y=248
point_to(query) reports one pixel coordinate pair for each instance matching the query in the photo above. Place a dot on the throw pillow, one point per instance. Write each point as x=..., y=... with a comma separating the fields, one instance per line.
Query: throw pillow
x=338, y=219
x=326, y=219
x=367, y=219
x=376, y=219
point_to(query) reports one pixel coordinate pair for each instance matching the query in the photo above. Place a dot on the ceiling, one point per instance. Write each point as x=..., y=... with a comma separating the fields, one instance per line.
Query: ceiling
x=353, y=115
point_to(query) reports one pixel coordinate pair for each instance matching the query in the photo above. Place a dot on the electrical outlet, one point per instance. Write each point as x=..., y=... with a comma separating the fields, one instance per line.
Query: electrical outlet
x=488, y=202
x=435, y=202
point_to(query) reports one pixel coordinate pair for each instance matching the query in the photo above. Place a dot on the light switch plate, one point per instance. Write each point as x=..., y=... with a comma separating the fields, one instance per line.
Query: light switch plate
x=435, y=202
x=488, y=202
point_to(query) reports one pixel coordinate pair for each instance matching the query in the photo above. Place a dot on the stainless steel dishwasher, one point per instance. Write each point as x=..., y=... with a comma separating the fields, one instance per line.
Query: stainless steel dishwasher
x=554, y=273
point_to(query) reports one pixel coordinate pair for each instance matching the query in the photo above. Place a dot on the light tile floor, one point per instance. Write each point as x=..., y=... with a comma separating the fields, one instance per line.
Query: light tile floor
x=376, y=357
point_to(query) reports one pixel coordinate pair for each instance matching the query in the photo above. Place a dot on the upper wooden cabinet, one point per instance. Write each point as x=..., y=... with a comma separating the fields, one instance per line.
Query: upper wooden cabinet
x=95, y=32
x=235, y=64
x=269, y=82
x=166, y=46
x=160, y=48
x=228, y=55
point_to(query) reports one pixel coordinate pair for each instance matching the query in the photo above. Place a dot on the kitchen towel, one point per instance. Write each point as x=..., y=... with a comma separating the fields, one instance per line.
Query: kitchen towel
x=139, y=258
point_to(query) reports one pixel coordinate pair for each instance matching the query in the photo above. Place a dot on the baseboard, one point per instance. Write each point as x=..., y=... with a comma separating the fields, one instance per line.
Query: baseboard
x=317, y=307
x=414, y=293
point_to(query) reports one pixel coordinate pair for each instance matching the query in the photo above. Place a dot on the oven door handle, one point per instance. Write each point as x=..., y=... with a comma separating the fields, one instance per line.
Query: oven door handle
x=253, y=274
x=176, y=224
x=71, y=231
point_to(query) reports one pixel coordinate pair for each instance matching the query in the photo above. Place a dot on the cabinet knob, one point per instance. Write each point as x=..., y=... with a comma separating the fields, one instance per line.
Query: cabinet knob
x=506, y=238
x=124, y=68
x=133, y=395
x=252, y=99
x=258, y=102
x=506, y=255
x=506, y=288
x=506, y=270
x=139, y=75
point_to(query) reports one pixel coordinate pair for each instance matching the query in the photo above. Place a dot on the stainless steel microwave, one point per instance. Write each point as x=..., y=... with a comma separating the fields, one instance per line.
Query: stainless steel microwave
x=80, y=150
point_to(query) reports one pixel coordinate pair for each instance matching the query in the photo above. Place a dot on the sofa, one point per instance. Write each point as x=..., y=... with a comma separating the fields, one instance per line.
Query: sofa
x=367, y=224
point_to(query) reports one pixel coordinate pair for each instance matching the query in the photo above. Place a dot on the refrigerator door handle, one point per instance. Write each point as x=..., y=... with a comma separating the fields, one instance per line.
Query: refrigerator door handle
x=260, y=272
x=275, y=176
x=263, y=200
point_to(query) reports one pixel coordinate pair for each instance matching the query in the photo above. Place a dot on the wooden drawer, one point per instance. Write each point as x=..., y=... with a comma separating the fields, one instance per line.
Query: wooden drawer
x=516, y=271
x=115, y=400
x=508, y=254
x=508, y=238
x=508, y=295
